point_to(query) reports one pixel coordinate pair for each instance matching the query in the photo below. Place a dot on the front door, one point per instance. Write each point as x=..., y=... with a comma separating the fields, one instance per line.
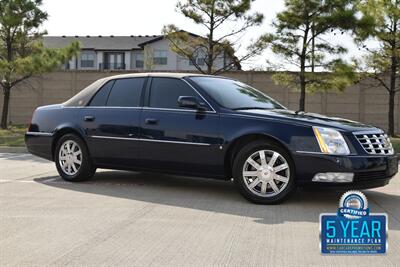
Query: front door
x=111, y=122
x=114, y=60
x=178, y=139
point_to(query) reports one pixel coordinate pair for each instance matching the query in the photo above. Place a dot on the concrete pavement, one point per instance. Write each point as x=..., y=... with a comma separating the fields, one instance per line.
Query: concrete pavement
x=135, y=219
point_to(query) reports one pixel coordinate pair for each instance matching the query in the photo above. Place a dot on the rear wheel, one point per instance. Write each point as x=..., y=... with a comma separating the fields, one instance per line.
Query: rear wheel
x=264, y=173
x=72, y=159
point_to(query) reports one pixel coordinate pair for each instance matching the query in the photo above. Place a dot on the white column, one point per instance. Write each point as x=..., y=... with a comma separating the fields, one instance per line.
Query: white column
x=128, y=60
x=99, y=59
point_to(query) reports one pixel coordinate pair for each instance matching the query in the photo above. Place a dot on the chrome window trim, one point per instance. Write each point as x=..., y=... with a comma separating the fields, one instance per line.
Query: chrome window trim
x=154, y=108
x=149, y=140
x=177, y=109
x=39, y=134
x=109, y=107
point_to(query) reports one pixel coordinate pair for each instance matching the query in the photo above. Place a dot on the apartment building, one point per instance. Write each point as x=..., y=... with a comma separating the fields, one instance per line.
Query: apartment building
x=148, y=52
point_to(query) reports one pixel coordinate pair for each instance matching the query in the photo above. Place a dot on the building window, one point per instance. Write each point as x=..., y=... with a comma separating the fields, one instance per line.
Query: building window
x=139, y=61
x=160, y=57
x=87, y=60
x=200, y=61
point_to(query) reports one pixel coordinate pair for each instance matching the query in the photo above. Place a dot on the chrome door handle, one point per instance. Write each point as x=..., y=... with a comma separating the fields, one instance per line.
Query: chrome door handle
x=88, y=118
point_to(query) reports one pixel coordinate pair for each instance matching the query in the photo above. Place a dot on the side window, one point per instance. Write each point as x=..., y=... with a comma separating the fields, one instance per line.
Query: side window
x=160, y=57
x=126, y=93
x=100, y=98
x=164, y=92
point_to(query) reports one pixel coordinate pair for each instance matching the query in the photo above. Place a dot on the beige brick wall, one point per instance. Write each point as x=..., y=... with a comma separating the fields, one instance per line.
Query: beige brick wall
x=360, y=102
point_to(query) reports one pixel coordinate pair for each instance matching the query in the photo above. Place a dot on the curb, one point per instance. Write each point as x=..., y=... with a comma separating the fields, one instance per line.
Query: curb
x=11, y=149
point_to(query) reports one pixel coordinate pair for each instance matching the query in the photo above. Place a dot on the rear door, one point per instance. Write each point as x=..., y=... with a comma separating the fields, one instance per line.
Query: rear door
x=111, y=122
x=178, y=139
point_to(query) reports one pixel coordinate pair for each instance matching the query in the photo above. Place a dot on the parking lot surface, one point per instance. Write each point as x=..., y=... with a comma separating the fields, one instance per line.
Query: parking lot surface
x=139, y=219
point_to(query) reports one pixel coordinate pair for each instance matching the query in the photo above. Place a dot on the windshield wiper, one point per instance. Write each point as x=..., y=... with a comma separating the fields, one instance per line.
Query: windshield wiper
x=244, y=108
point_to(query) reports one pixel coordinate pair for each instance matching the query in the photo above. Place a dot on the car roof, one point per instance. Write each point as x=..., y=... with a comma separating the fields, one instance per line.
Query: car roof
x=155, y=74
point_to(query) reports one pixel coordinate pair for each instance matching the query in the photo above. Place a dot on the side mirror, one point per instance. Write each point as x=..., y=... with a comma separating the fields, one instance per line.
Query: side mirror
x=190, y=102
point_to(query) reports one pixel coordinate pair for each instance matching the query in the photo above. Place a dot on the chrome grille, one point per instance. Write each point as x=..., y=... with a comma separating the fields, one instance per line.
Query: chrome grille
x=375, y=143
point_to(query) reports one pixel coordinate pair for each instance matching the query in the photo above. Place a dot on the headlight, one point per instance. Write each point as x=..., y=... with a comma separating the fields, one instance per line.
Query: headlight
x=331, y=141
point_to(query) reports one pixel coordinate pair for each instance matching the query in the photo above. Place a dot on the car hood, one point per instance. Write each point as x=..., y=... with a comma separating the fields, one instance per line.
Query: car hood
x=311, y=119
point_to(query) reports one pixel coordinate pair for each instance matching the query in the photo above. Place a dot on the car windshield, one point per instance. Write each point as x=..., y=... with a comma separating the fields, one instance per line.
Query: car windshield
x=234, y=94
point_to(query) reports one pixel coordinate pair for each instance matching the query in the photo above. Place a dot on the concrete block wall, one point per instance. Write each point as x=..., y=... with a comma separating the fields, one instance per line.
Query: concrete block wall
x=360, y=102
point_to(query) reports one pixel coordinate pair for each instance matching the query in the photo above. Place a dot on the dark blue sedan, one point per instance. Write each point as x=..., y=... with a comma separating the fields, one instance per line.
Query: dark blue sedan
x=207, y=126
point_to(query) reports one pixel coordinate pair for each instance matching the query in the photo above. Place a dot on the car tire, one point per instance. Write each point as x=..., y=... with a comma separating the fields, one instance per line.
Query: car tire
x=267, y=179
x=72, y=159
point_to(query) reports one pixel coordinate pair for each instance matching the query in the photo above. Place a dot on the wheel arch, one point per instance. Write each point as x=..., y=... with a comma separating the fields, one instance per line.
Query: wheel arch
x=241, y=141
x=63, y=130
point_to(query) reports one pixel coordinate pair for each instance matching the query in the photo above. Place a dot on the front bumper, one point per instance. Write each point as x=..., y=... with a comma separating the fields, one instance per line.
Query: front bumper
x=369, y=171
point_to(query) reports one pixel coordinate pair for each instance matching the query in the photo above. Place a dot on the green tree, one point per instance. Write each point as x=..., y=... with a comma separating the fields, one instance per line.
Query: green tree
x=214, y=16
x=381, y=24
x=22, y=53
x=300, y=38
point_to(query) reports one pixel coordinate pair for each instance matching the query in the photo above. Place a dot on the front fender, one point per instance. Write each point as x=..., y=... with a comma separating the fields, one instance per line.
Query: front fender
x=294, y=137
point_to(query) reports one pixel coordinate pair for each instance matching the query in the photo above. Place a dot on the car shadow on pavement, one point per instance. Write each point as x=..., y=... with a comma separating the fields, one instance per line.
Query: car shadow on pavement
x=219, y=196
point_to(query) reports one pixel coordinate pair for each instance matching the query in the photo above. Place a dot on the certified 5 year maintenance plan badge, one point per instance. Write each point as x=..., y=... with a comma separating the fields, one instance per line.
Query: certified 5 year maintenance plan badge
x=353, y=229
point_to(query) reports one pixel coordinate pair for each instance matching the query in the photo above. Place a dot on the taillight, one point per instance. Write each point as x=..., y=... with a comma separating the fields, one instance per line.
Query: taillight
x=30, y=122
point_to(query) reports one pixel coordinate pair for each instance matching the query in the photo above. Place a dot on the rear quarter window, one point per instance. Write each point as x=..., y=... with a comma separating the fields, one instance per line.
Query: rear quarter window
x=100, y=98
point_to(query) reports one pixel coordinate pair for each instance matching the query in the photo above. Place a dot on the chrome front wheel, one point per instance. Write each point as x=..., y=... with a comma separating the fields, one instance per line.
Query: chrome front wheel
x=266, y=173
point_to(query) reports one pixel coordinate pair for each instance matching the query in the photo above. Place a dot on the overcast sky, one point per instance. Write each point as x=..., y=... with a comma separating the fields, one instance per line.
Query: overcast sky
x=137, y=17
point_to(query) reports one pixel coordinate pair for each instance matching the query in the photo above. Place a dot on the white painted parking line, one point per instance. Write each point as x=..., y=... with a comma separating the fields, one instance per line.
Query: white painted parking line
x=16, y=181
x=47, y=181
x=13, y=156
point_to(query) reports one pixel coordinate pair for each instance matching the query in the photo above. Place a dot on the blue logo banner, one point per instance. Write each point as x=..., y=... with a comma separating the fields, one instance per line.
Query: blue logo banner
x=353, y=229
x=365, y=235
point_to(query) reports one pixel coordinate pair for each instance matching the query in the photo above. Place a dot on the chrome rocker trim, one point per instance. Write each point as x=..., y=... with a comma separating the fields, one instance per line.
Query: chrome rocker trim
x=149, y=140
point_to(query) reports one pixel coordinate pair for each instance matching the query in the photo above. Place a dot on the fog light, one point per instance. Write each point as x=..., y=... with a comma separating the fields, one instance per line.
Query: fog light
x=334, y=177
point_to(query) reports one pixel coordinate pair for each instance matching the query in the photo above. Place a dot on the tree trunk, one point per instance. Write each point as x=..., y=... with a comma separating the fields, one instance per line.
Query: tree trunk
x=7, y=84
x=392, y=92
x=210, y=55
x=6, y=100
x=302, y=103
x=391, y=113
